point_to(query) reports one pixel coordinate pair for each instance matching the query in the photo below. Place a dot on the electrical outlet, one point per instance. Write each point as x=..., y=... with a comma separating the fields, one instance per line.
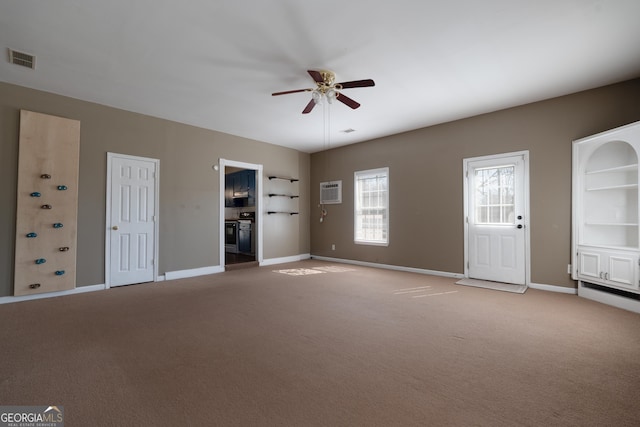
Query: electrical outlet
x=568, y=268
x=333, y=247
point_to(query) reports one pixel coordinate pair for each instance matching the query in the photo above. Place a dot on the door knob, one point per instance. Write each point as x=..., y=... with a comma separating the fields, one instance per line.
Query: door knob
x=519, y=225
x=115, y=227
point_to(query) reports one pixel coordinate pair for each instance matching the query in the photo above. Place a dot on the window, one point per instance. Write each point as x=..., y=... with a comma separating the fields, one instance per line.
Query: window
x=371, y=216
x=495, y=195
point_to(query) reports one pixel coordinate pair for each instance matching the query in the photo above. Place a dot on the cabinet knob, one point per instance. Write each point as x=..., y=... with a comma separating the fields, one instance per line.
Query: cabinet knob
x=520, y=226
x=115, y=227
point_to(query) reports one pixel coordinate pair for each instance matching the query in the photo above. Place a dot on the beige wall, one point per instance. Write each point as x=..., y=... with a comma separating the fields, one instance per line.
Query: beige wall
x=425, y=171
x=189, y=195
x=426, y=214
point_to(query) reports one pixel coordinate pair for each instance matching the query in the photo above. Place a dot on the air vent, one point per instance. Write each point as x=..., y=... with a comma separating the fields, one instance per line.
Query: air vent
x=22, y=59
x=330, y=192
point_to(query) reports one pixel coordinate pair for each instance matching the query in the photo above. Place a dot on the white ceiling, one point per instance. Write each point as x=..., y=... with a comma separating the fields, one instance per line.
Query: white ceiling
x=214, y=64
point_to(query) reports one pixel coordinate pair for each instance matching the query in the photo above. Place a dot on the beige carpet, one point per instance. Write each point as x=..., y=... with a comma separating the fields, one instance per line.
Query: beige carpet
x=363, y=347
x=496, y=286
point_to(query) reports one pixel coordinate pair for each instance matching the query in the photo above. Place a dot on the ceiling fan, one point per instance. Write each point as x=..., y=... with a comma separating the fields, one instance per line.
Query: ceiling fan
x=326, y=87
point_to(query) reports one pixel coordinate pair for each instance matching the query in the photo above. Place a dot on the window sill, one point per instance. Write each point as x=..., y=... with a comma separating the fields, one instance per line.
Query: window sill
x=370, y=243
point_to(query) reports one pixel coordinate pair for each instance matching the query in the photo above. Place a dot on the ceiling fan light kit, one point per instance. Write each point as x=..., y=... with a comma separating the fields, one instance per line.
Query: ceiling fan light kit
x=326, y=87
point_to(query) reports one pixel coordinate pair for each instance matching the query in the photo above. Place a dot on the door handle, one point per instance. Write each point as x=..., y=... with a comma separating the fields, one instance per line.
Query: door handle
x=520, y=226
x=115, y=227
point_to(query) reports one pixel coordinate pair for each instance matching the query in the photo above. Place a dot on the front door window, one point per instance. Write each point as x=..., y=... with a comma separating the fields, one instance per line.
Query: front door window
x=495, y=195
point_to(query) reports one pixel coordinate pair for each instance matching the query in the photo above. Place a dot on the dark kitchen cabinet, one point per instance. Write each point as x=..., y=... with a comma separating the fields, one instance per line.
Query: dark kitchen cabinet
x=240, y=189
x=251, y=185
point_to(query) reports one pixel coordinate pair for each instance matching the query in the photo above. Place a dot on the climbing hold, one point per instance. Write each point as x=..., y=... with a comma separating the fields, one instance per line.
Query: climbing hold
x=31, y=235
x=57, y=225
x=46, y=206
x=62, y=187
x=59, y=272
x=45, y=176
x=41, y=261
x=63, y=249
x=35, y=194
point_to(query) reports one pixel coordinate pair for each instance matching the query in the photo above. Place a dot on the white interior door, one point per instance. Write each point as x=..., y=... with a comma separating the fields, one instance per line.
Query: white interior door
x=131, y=220
x=496, y=218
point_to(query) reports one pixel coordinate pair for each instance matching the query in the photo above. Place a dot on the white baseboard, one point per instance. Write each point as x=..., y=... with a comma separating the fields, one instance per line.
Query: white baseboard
x=609, y=299
x=193, y=272
x=78, y=290
x=183, y=274
x=390, y=267
x=553, y=288
x=550, y=288
x=284, y=260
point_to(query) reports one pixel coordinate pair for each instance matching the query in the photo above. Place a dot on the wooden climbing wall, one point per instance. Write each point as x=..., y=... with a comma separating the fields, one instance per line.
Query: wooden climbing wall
x=47, y=204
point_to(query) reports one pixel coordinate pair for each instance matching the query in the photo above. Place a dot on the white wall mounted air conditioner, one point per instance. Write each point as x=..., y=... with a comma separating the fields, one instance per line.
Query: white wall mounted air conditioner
x=330, y=192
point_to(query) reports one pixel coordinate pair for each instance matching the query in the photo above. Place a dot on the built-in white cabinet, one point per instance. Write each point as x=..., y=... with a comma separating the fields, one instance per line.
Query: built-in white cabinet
x=611, y=268
x=606, y=236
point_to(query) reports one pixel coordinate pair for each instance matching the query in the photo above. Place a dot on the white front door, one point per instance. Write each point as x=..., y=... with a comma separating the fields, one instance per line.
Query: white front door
x=131, y=219
x=496, y=218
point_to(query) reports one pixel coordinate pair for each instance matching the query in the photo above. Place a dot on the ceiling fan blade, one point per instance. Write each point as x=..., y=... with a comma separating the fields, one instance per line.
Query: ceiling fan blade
x=309, y=107
x=291, y=91
x=347, y=101
x=357, y=83
x=316, y=76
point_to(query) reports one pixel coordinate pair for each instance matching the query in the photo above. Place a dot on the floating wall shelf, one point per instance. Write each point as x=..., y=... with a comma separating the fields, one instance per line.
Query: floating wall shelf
x=283, y=195
x=282, y=191
x=284, y=179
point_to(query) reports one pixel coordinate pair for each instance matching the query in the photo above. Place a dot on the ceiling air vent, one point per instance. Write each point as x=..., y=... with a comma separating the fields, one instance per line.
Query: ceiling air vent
x=330, y=192
x=23, y=59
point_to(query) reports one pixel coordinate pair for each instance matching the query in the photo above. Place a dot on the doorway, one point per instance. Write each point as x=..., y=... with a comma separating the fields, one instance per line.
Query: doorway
x=240, y=214
x=496, y=199
x=131, y=220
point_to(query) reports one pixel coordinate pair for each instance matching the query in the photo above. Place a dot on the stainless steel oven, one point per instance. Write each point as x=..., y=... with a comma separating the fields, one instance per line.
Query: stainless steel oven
x=231, y=236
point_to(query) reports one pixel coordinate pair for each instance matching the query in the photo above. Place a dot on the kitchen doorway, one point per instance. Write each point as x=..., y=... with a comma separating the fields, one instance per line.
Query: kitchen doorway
x=240, y=214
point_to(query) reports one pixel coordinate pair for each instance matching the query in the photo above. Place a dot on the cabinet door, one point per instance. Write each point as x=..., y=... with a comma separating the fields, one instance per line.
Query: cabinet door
x=228, y=190
x=251, y=183
x=621, y=270
x=244, y=240
x=589, y=265
x=240, y=182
